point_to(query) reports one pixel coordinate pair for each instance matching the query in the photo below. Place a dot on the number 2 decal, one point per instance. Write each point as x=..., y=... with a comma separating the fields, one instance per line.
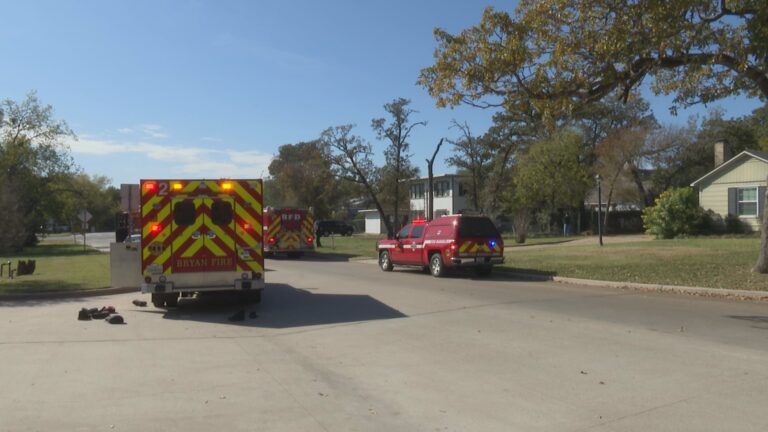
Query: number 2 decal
x=163, y=189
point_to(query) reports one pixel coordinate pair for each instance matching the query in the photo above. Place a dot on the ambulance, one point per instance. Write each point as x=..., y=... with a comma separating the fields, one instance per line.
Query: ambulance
x=201, y=236
x=288, y=231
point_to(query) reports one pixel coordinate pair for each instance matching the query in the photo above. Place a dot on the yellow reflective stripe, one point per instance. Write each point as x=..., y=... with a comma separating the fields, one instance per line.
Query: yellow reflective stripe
x=193, y=248
x=246, y=196
x=246, y=216
x=149, y=205
x=464, y=246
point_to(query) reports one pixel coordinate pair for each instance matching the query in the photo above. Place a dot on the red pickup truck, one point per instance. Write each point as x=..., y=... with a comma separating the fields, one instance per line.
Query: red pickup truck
x=443, y=243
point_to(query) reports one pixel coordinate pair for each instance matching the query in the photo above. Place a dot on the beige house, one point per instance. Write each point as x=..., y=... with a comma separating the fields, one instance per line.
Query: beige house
x=736, y=186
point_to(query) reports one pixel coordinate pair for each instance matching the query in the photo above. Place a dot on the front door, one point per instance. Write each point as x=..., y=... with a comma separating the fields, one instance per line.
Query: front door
x=203, y=235
x=398, y=253
x=413, y=247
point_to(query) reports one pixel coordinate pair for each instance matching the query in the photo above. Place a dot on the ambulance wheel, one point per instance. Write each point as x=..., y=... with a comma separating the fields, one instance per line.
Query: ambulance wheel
x=158, y=300
x=385, y=262
x=171, y=300
x=436, y=266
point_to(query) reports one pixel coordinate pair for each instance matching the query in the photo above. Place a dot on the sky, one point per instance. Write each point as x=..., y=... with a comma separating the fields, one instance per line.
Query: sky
x=212, y=89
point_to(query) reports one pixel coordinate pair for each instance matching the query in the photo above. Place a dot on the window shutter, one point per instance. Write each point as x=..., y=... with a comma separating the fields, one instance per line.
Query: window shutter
x=760, y=201
x=732, y=201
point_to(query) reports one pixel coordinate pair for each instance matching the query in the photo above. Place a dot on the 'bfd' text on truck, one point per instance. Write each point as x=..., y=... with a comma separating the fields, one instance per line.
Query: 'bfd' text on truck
x=288, y=231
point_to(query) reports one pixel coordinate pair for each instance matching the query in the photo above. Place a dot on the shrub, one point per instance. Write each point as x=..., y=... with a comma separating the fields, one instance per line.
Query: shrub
x=676, y=213
x=734, y=225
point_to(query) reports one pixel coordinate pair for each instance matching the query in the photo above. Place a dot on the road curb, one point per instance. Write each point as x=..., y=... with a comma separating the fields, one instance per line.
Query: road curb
x=676, y=289
x=46, y=295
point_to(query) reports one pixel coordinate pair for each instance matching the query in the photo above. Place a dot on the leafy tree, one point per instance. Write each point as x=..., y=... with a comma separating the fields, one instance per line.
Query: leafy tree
x=556, y=55
x=301, y=176
x=676, y=213
x=551, y=174
x=32, y=158
x=559, y=54
x=77, y=192
x=398, y=161
x=351, y=160
x=619, y=157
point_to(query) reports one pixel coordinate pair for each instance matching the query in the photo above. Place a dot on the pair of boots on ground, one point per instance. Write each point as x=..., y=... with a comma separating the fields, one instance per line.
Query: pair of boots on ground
x=107, y=313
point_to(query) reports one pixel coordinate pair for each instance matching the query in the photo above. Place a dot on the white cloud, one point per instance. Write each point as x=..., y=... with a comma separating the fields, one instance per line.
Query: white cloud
x=153, y=131
x=211, y=139
x=125, y=130
x=191, y=162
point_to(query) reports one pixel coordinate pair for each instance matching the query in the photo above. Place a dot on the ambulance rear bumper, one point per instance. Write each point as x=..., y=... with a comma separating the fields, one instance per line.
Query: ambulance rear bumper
x=170, y=287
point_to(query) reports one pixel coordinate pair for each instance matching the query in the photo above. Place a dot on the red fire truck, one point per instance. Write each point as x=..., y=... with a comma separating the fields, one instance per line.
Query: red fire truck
x=201, y=235
x=288, y=231
x=446, y=242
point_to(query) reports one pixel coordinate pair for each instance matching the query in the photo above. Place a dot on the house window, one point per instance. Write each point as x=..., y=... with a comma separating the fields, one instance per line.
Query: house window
x=417, y=191
x=746, y=202
x=442, y=189
x=462, y=189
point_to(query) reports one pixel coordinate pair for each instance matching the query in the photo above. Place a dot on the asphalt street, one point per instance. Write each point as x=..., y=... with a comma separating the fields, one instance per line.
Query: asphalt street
x=343, y=346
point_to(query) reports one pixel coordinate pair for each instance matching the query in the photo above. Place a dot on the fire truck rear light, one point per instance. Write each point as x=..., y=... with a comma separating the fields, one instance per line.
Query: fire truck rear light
x=147, y=279
x=309, y=239
x=453, y=246
x=272, y=240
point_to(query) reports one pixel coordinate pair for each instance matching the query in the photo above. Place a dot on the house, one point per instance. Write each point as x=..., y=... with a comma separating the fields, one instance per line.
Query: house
x=736, y=186
x=449, y=197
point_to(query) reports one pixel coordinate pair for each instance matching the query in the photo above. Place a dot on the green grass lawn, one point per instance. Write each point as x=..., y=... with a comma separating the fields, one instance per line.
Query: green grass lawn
x=706, y=262
x=60, y=266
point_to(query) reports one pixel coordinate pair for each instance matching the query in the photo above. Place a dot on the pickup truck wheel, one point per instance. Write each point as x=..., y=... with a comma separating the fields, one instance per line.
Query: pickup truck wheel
x=436, y=266
x=385, y=262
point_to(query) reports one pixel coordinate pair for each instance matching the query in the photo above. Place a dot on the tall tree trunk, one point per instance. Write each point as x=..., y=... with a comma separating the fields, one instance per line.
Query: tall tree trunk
x=762, y=259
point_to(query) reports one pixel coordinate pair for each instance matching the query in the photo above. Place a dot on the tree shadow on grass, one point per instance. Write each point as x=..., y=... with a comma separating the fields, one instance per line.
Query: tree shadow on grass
x=283, y=306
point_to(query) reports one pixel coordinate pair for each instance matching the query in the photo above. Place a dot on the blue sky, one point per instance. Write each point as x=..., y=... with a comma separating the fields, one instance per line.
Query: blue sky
x=210, y=89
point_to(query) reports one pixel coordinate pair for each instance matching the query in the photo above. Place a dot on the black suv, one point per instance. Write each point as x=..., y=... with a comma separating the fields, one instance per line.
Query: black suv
x=325, y=228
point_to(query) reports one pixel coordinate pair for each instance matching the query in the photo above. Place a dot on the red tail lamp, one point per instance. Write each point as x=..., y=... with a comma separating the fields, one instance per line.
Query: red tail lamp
x=150, y=186
x=272, y=240
x=155, y=228
x=309, y=239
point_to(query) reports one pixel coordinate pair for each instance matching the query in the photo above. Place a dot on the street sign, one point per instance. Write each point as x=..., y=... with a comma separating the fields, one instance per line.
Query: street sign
x=84, y=216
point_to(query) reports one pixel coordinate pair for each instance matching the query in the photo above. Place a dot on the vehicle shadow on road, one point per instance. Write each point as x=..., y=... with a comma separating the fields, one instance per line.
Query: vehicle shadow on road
x=283, y=306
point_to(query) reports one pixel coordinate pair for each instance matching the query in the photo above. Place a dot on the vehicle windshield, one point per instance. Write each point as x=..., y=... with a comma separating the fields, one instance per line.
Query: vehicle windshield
x=477, y=227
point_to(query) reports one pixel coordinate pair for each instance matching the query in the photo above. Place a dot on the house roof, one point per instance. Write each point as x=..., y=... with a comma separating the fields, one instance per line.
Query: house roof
x=435, y=177
x=739, y=158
